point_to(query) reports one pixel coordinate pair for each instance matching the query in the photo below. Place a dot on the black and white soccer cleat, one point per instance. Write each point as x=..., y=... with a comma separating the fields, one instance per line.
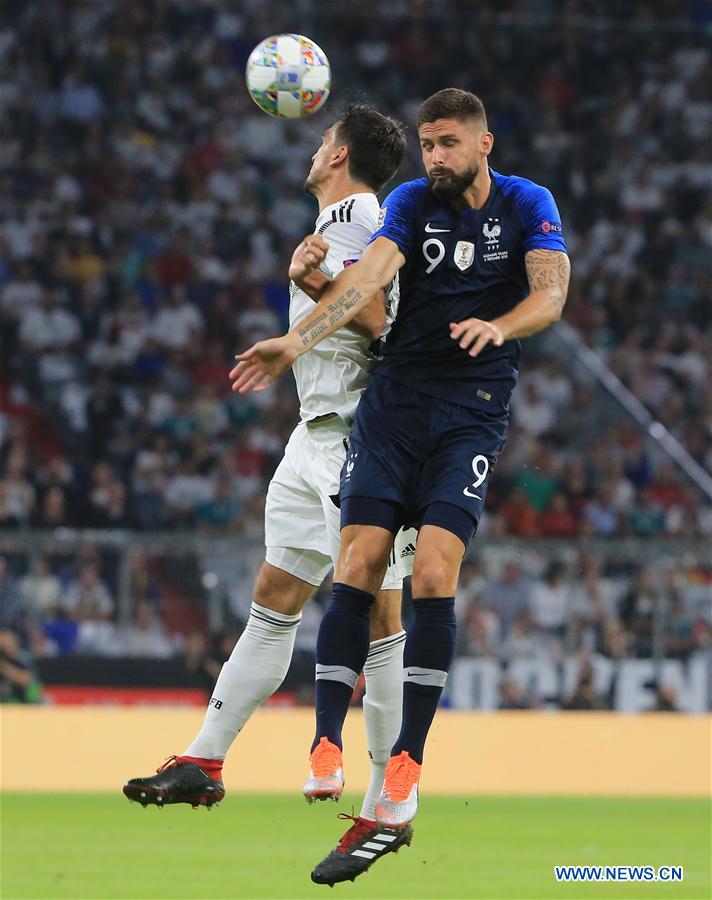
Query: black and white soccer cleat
x=176, y=782
x=362, y=845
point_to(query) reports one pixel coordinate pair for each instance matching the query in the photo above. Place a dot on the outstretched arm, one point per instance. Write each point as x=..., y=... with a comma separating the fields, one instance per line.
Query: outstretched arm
x=351, y=291
x=548, y=273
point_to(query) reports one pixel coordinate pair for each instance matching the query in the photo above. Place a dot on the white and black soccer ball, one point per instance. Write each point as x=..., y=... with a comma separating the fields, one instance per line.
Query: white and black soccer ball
x=288, y=76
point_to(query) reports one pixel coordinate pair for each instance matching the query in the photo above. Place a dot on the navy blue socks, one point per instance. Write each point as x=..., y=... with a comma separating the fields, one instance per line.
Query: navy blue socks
x=429, y=650
x=341, y=651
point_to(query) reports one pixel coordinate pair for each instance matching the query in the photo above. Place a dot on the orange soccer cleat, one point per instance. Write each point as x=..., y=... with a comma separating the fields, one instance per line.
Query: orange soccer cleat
x=398, y=803
x=326, y=773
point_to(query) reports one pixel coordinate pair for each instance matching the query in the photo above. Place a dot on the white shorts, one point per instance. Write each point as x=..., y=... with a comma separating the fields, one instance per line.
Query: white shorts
x=302, y=520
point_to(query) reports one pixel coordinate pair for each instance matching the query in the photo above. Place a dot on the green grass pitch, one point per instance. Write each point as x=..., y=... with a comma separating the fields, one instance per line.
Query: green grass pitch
x=100, y=846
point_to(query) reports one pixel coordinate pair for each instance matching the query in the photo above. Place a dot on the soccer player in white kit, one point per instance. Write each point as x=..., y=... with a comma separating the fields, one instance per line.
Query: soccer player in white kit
x=358, y=155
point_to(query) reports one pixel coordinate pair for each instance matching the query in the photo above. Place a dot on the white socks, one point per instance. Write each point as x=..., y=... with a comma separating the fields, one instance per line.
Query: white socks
x=256, y=668
x=382, y=710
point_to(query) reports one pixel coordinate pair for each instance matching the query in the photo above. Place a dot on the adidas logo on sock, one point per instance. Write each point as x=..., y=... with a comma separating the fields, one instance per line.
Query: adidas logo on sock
x=408, y=550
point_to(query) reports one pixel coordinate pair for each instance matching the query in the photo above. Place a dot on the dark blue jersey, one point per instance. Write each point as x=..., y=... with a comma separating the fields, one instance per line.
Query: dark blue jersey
x=460, y=264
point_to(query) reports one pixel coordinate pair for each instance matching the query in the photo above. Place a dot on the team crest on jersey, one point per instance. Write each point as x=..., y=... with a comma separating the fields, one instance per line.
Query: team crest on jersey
x=464, y=254
x=381, y=217
x=492, y=230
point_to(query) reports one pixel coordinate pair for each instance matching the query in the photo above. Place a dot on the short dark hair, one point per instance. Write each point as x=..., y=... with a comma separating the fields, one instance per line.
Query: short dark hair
x=376, y=143
x=452, y=103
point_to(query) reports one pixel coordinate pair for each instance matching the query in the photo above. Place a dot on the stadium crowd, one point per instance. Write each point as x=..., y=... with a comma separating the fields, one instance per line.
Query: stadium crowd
x=150, y=210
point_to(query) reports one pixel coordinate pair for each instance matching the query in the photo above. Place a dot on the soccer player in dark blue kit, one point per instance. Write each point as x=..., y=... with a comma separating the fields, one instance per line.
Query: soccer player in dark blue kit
x=481, y=262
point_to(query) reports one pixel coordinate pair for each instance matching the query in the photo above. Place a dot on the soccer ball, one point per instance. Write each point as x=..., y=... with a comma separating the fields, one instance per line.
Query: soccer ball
x=288, y=76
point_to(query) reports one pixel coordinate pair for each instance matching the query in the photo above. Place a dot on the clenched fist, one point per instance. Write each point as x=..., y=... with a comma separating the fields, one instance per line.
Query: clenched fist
x=309, y=255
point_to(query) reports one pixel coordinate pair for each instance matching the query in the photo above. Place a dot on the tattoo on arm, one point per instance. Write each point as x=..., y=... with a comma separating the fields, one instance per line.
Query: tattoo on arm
x=334, y=313
x=549, y=271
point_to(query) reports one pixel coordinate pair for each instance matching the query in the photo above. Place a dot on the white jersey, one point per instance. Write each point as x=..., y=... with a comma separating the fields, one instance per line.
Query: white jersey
x=332, y=375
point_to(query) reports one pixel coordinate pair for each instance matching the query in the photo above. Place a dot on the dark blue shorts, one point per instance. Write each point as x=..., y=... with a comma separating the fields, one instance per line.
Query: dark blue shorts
x=416, y=460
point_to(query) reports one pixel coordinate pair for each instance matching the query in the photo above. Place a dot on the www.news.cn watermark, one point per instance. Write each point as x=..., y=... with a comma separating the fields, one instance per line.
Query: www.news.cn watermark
x=619, y=873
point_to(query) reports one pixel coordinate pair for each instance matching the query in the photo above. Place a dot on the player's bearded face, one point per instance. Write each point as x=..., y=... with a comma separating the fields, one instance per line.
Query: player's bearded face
x=447, y=184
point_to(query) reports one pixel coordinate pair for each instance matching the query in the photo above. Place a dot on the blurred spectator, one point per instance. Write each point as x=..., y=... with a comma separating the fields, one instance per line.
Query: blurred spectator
x=54, y=511
x=558, y=520
x=538, y=481
x=177, y=323
x=601, y=514
x=665, y=699
x=518, y=515
x=104, y=416
x=638, y=609
x=18, y=495
x=509, y=596
x=585, y=696
x=534, y=414
x=523, y=641
x=41, y=591
x=679, y=630
x=18, y=681
x=646, y=517
x=512, y=696
x=146, y=636
x=203, y=660
x=87, y=597
x=591, y=601
x=107, y=498
x=89, y=604
x=221, y=511
x=11, y=606
x=549, y=598
x=479, y=631
x=48, y=327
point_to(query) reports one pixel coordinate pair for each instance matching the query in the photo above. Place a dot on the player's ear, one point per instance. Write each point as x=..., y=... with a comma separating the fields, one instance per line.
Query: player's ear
x=486, y=143
x=339, y=155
